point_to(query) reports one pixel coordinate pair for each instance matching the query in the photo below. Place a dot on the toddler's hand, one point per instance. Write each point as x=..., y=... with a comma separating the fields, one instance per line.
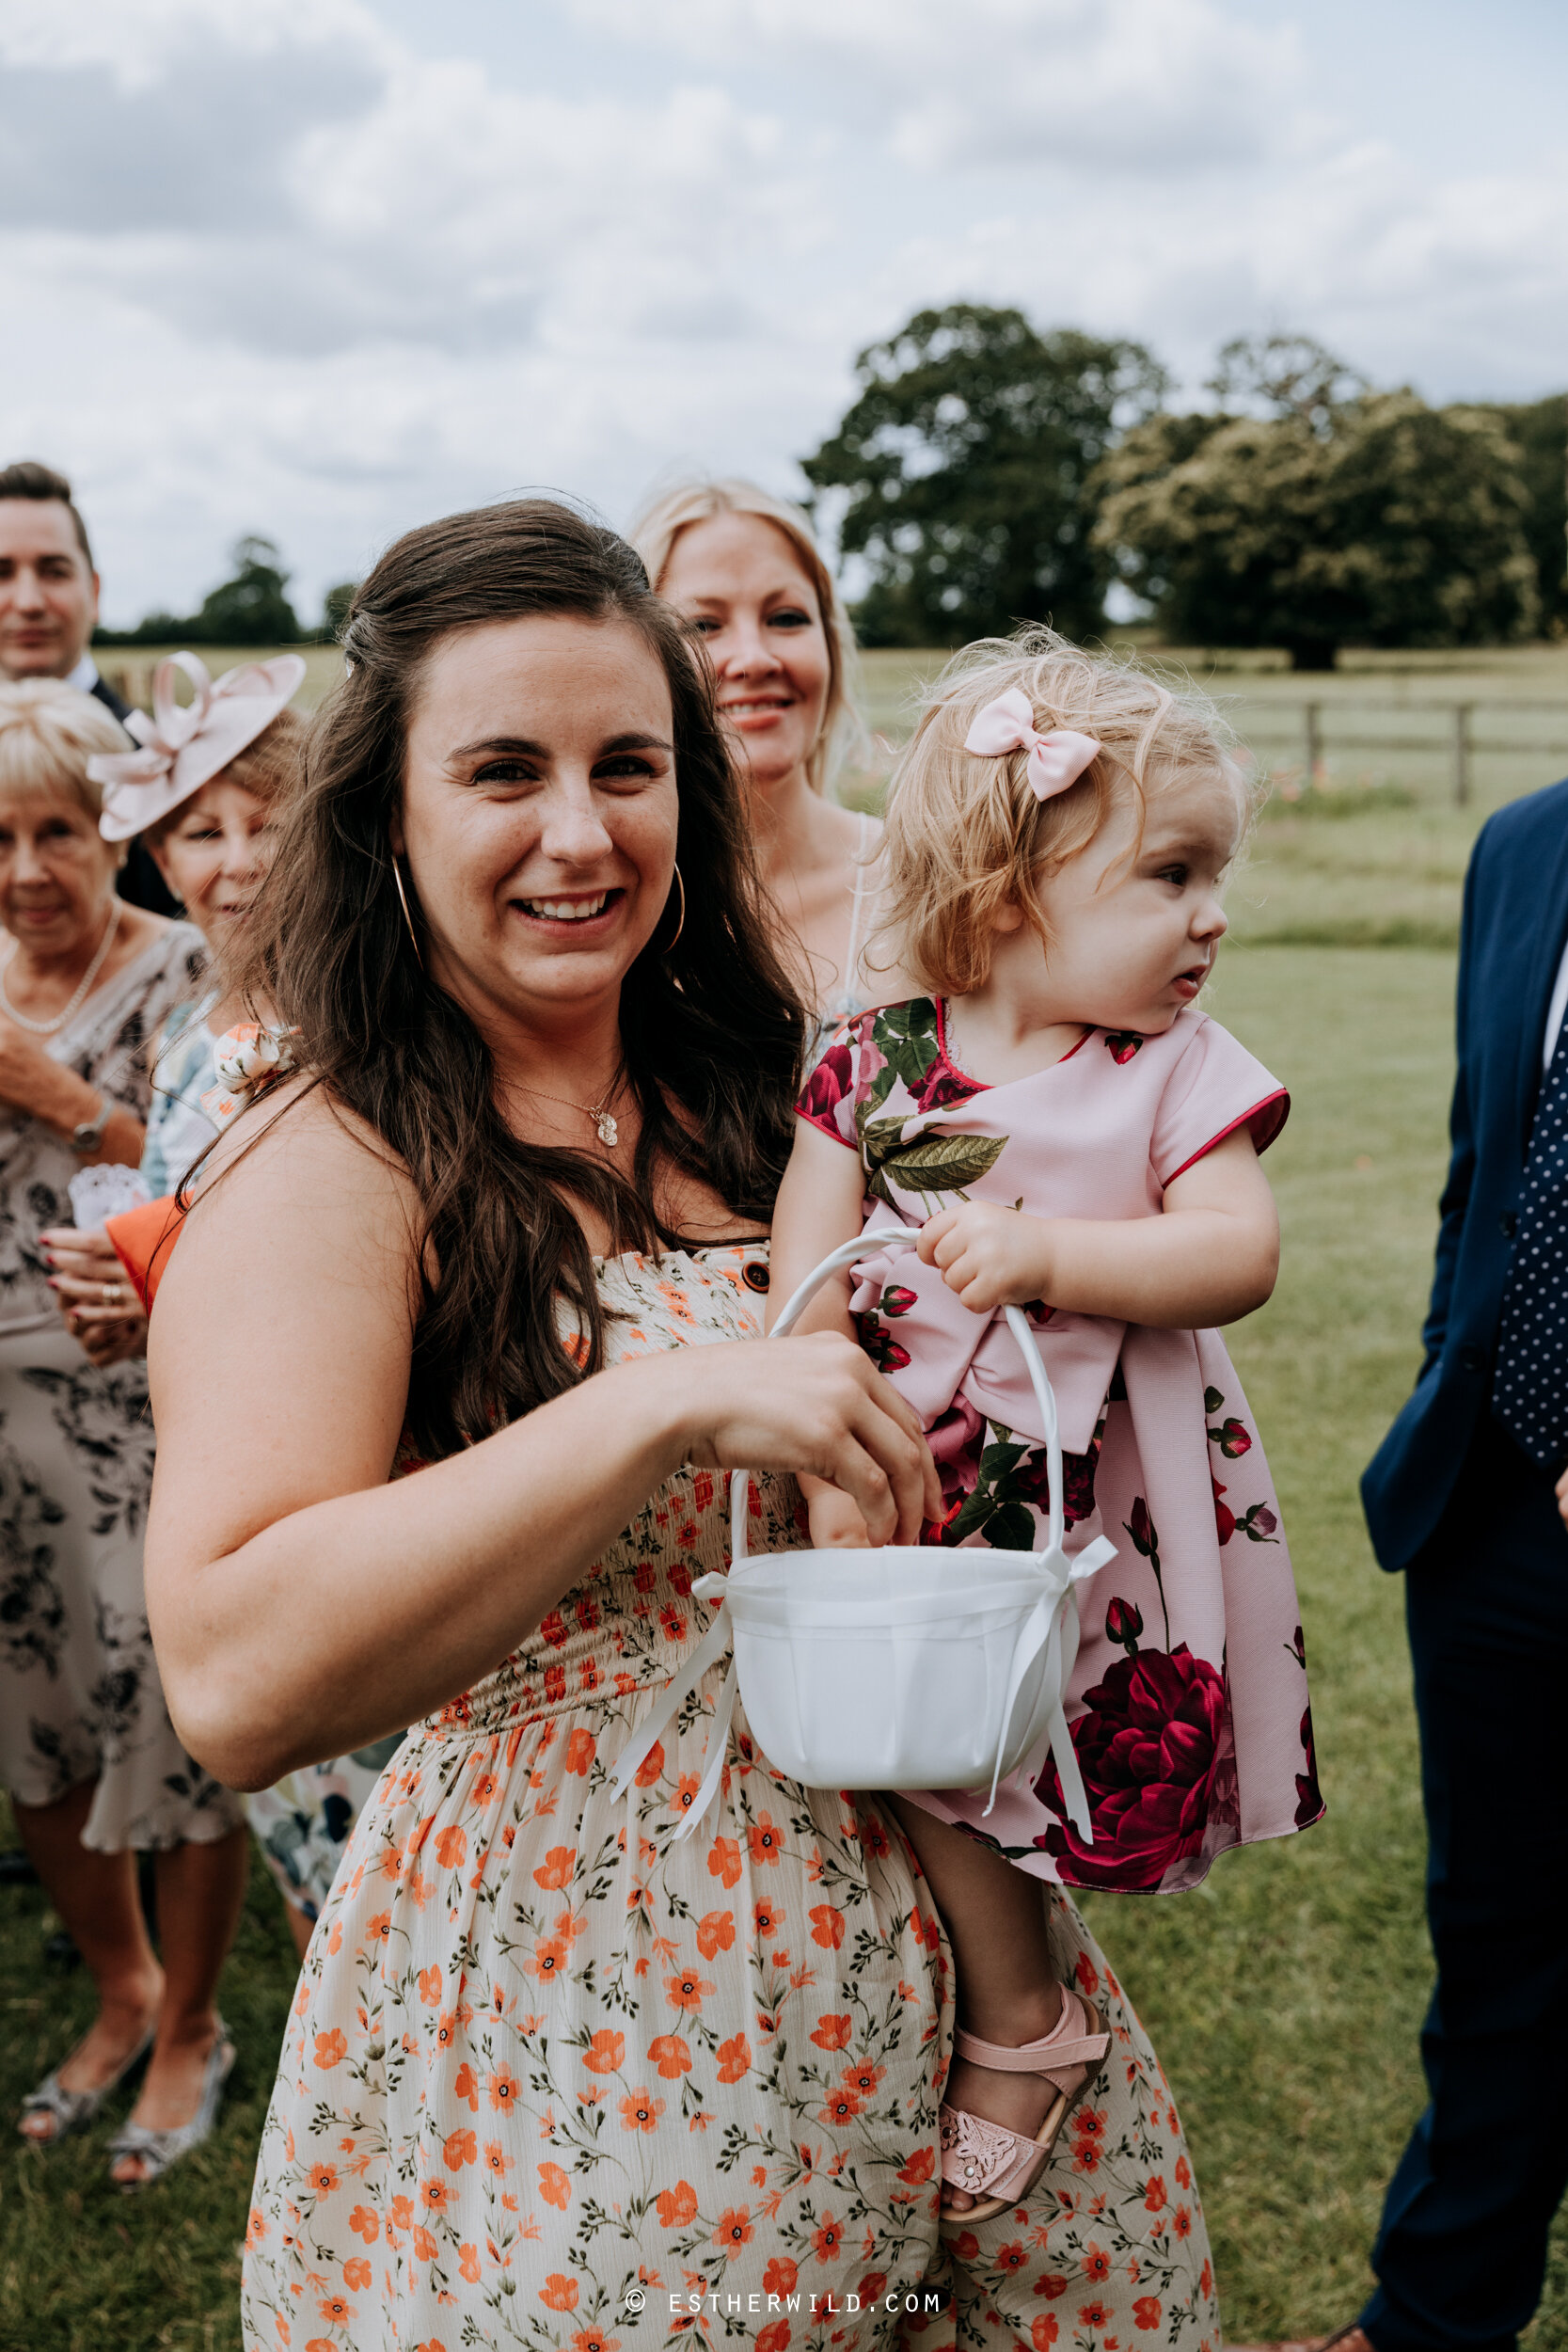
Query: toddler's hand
x=991, y=1257
x=835, y=1523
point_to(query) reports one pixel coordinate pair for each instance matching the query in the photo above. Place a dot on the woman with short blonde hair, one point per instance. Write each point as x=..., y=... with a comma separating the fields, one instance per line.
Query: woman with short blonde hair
x=744, y=570
x=88, y=1752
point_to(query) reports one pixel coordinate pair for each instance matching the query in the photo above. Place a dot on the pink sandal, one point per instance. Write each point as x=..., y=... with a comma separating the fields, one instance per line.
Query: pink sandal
x=980, y=2157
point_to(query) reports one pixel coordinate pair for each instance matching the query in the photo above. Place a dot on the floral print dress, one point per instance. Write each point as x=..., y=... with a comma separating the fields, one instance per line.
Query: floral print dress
x=79, y=1697
x=1188, y=1705
x=557, y=2079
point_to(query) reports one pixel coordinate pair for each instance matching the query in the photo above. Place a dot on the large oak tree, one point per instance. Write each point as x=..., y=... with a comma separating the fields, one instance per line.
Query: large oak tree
x=968, y=463
x=1344, y=517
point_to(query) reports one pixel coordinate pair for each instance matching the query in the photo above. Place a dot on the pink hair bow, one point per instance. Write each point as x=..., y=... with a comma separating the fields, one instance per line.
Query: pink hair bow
x=1007, y=724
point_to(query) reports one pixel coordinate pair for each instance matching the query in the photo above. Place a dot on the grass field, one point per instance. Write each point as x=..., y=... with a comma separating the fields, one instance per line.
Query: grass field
x=1285, y=1995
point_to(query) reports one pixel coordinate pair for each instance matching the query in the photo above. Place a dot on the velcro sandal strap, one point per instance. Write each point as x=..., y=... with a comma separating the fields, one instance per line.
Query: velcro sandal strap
x=1054, y=2054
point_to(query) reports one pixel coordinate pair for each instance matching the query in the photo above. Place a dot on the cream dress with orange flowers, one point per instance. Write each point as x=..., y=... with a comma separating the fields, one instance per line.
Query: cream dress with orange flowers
x=544, y=2086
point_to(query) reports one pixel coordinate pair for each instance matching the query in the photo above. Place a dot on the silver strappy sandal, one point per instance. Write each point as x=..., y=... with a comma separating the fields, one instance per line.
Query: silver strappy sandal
x=71, y=2110
x=159, y=2150
x=998, y=2166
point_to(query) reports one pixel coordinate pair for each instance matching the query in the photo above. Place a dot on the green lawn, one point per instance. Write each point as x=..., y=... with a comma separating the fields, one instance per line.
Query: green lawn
x=1284, y=1997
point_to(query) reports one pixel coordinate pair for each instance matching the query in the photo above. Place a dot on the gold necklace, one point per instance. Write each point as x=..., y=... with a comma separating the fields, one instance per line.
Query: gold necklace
x=604, y=1119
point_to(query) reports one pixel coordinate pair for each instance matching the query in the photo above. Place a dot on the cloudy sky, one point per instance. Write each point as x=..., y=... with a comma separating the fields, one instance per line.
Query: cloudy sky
x=323, y=268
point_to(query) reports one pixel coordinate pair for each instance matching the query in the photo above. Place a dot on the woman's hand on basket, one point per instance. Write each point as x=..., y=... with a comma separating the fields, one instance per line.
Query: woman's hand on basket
x=816, y=1406
x=833, y=1520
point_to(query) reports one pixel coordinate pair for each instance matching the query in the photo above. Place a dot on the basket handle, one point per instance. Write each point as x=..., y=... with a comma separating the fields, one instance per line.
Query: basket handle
x=865, y=1244
x=1045, y=1628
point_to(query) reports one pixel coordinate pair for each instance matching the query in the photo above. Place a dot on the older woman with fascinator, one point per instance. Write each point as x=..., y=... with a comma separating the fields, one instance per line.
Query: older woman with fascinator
x=203, y=797
x=87, y=1750
x=199, y=797
x=745, y=573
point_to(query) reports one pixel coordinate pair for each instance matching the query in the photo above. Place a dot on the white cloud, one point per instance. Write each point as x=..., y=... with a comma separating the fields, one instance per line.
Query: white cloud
x=1127, y=86
x=264, y=264
x=140, y=39
x=334, y=193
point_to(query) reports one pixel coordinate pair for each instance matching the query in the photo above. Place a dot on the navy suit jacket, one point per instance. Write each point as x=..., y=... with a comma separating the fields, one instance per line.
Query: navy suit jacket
x=1510, y=943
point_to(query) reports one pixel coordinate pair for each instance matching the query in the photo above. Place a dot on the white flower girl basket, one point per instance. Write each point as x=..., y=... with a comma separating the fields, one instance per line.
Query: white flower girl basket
x=906, y=1666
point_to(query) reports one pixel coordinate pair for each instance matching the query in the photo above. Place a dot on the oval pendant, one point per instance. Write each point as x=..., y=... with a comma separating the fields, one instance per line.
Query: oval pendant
x=610, y=1134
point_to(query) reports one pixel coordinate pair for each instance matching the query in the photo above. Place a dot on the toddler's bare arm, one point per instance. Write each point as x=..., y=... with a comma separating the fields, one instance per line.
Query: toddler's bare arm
x=818, y=1207
x=1211, y=1258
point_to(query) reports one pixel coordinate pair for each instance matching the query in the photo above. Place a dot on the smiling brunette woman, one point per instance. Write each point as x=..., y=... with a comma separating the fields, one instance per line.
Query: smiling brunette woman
x=509, y=1216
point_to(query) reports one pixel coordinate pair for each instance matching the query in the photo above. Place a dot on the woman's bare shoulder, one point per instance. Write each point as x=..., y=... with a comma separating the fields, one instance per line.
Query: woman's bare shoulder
x=302, y=1171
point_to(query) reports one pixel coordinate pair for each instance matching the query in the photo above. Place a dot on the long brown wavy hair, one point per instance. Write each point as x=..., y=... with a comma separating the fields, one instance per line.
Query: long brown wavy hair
x=711, y=1028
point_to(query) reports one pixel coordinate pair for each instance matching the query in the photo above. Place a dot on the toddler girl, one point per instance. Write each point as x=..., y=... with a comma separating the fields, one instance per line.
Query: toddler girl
x=1067, y=1132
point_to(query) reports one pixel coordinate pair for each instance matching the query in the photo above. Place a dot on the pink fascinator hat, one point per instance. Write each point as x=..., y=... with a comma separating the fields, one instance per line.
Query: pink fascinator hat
x=1055, y=760
x=183, y=749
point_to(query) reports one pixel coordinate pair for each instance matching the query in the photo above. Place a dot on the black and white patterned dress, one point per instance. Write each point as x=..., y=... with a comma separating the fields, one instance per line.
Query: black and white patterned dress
x=79, y=1697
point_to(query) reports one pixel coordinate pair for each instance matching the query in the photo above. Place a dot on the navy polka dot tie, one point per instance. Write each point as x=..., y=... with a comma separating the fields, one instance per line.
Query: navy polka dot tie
x=1530, y=1389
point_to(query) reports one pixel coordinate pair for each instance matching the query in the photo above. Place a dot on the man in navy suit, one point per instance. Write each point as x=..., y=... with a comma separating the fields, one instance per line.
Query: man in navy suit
x=1466, y=1495
x=48, y=608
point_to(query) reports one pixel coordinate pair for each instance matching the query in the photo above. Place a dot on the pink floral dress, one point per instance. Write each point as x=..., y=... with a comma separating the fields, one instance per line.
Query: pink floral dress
x=1188, y=1707
x=555, y=2079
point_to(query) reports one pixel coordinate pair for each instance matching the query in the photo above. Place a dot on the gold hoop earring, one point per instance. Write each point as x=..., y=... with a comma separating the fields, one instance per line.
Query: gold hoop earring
x=408, y=918
x=680, y=925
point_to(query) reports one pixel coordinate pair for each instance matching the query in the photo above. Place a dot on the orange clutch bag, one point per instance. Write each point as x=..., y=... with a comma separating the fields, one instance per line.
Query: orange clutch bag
x=144, y=1239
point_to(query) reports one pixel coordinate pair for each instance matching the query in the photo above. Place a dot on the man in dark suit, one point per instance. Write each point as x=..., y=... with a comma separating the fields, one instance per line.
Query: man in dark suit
x=48, y=608
x=1466, y=1495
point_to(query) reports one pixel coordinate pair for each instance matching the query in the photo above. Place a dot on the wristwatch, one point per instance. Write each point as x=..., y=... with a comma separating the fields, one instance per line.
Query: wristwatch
x=89, y=1134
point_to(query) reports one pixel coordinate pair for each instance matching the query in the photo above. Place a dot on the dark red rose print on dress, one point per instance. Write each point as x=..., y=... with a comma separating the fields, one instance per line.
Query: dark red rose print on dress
x=1033, y=1481
x=942, y=1086
x=828, y=1083
x=1224, y=1518
x=1309, y=1797
x=1124, y=1622
x=886, y=1353
x=1149, y=1746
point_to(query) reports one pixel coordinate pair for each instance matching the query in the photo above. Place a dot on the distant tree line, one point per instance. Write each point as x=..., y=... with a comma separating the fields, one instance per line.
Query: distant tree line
x=988, y=473
x=250, y=609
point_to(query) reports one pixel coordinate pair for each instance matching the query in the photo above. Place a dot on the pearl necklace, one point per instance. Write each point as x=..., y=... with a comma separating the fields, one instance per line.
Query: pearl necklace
x=84, y=986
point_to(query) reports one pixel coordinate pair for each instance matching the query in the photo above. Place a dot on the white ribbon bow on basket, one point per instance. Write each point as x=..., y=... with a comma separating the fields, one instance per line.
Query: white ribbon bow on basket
x=1030, y=1595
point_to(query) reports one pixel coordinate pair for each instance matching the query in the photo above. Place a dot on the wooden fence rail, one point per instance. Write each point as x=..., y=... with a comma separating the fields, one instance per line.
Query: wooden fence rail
x=1315, y=721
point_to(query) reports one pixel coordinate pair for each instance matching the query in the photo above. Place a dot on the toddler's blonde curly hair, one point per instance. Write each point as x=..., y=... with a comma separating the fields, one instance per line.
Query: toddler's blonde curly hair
x=965, y=835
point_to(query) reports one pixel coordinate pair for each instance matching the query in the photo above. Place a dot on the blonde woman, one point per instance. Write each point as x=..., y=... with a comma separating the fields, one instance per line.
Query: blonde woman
x=745, y=572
